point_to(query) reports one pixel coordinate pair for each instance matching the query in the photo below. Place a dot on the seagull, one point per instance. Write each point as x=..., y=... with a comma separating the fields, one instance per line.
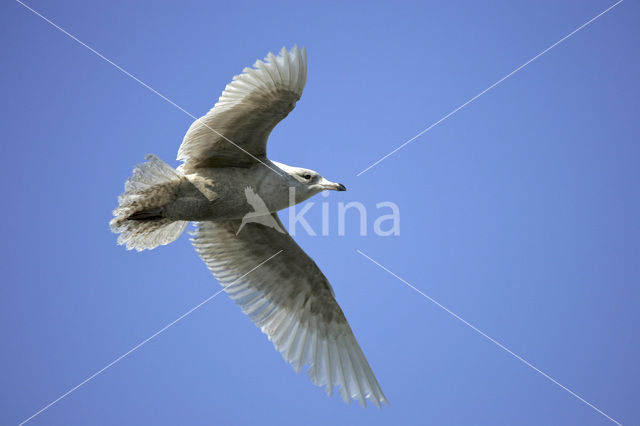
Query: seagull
x=224, y=171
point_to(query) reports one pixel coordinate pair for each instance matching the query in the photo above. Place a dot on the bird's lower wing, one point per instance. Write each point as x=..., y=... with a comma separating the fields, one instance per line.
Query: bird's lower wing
x=291, y=301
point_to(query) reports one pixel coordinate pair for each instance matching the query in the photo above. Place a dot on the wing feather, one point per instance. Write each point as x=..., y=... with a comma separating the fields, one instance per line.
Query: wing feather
x=292, y=302
x=234, y=132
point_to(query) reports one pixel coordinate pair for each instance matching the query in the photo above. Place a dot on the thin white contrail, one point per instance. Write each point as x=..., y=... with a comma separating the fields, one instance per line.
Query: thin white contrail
x=489, y=88
x=491, y=339
x=128, y=74
x=136, y=347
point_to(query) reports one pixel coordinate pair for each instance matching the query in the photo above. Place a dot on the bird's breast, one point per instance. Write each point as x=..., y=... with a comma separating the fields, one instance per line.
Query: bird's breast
x=234, y=192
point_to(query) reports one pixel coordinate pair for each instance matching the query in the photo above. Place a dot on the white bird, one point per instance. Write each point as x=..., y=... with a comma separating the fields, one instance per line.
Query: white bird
x=224, y=153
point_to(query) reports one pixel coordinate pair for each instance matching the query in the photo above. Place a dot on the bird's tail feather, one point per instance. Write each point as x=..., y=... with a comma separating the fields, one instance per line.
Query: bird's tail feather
x=138, y=218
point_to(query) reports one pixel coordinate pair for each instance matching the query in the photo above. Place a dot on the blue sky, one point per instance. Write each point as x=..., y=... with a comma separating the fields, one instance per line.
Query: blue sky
x=519, y=213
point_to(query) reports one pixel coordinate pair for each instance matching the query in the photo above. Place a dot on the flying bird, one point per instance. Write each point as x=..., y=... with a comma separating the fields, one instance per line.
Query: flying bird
x=224, y=171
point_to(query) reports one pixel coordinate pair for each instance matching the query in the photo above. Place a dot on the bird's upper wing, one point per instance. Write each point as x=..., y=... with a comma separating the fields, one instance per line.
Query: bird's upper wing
x=291, y=301
x=234, y=132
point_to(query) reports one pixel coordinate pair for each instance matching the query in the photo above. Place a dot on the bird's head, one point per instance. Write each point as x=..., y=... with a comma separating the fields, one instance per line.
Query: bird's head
x=308, y=182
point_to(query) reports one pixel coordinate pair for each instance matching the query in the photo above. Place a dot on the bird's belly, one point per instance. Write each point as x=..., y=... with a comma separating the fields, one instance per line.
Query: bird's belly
x=231, y=193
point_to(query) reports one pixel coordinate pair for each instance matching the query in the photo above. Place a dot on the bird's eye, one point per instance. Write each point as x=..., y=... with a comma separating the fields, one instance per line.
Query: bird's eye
x=307, y=176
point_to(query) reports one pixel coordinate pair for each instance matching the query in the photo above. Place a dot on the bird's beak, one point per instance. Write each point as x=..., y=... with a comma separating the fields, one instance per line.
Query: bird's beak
x=333, y=185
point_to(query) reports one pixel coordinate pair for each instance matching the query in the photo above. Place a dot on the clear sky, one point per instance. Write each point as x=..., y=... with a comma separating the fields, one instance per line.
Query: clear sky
x=519, y=213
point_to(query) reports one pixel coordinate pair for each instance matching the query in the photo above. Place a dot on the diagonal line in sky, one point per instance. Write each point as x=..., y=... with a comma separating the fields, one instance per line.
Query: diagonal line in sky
x=500, y=345
x=128, y=74
x=136, y=347
x=489, y=88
